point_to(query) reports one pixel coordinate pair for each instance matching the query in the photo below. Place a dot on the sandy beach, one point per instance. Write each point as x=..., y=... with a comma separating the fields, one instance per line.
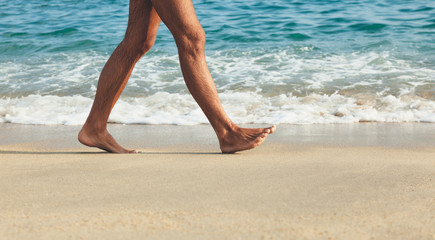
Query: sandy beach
x=331, y=181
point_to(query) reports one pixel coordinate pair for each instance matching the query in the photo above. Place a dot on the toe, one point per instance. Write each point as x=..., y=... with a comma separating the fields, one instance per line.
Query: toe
x=260, y=138
x=272, y=129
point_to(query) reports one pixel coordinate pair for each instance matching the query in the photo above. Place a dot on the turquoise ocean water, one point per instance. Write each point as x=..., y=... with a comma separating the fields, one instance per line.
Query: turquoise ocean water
x=276, y=61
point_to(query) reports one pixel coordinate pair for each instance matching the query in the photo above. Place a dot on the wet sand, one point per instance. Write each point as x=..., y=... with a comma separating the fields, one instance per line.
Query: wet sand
x=338, y=181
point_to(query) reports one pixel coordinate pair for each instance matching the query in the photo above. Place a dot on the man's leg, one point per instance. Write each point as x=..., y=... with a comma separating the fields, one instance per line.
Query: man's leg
x=179, y=16
x=140, y=35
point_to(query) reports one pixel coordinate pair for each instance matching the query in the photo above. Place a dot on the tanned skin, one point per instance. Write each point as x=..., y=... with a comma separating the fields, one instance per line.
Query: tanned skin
x=144, y=20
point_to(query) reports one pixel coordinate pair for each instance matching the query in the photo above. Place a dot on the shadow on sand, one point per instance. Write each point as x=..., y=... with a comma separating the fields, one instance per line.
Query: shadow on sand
x=99, y=153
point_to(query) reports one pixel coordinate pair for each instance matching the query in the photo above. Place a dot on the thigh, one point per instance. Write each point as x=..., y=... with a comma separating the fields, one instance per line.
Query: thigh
x=179, y=16
x=143, y=20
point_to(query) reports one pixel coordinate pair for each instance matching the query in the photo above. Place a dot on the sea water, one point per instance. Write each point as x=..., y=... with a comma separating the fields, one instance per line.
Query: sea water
x=275, y=61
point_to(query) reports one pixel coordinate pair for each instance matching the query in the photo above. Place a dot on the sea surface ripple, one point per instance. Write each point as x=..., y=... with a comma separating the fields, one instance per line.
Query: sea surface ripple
x=276, y=61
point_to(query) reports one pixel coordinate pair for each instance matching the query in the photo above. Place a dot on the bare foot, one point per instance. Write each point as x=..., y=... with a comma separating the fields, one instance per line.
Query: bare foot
x=102, y=140
x=240, y=139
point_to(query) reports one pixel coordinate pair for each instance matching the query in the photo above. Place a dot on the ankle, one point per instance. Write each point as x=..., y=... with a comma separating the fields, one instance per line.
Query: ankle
x=226, y=130
x=93, y=128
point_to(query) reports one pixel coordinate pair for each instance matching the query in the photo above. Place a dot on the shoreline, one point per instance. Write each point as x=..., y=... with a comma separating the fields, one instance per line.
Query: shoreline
x=340, y=182
x=202, y=137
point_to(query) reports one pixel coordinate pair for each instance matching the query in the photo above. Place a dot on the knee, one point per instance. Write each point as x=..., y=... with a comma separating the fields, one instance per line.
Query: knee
x=139, y=46
x=146, y=45
x=192, y=41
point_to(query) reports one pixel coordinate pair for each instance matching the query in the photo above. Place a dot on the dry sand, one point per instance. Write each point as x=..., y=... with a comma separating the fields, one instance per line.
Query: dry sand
x=356, y=181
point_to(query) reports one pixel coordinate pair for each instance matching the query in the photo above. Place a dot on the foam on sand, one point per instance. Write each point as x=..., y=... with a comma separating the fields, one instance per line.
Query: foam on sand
x=243, y=107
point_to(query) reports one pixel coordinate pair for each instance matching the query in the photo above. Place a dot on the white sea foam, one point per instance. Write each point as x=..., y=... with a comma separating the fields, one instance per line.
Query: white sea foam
x=277, y=86
x=277, y=71
x=243, y=107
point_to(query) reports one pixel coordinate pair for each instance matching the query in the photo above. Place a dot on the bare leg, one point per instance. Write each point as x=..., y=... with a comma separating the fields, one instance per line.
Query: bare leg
x=141, y=32
x=179, y=16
